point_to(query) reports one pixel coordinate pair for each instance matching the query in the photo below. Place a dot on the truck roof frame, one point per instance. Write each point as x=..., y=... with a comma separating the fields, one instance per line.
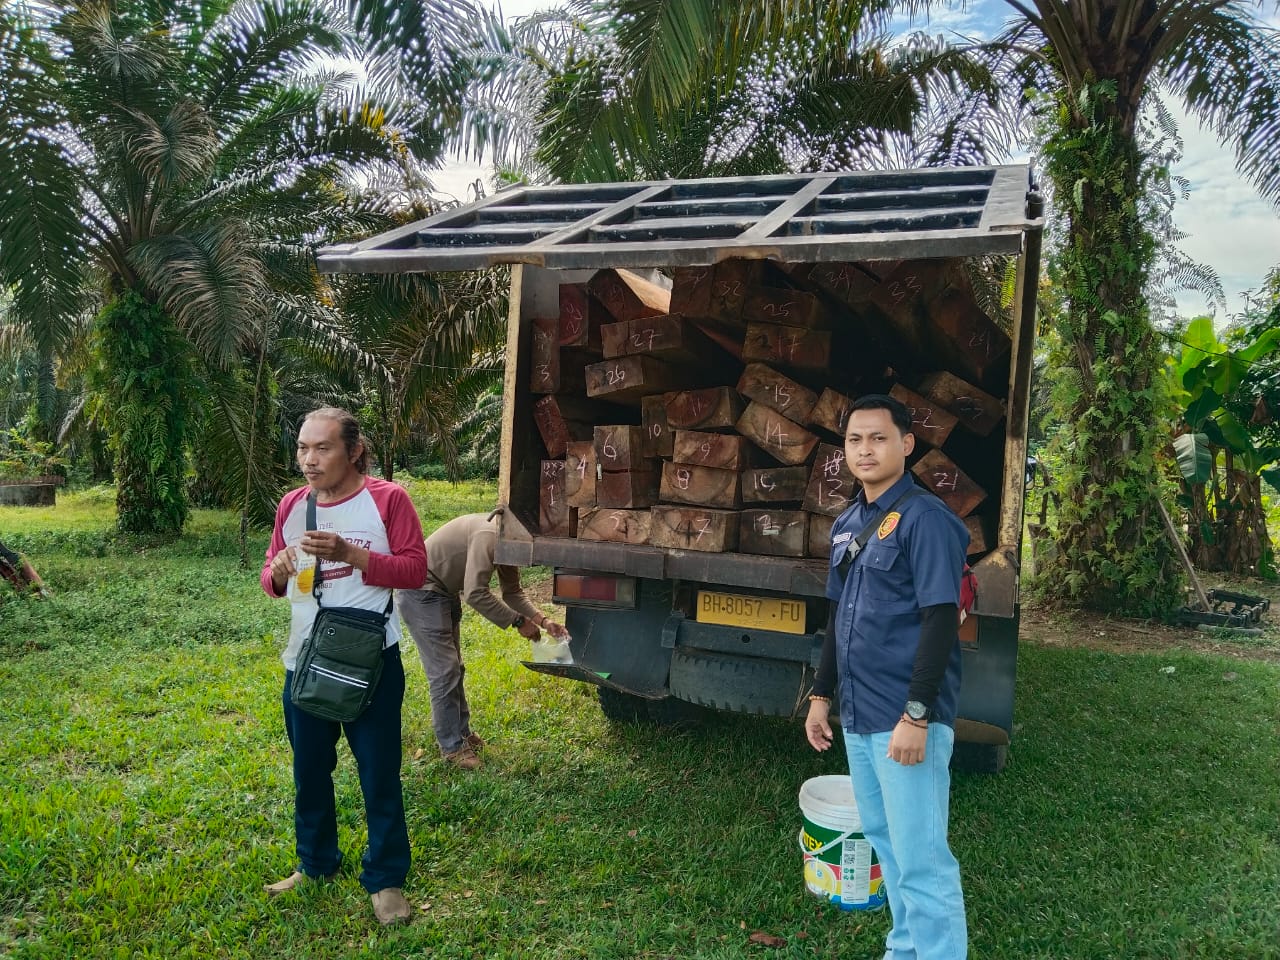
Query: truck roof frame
x=806, y=217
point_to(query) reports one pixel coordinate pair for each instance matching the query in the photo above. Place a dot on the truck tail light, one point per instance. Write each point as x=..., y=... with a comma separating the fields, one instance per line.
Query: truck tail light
x=593, y=590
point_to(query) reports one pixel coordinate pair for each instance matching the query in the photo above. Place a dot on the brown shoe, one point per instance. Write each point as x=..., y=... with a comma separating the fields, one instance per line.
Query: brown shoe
x=295, y=879
x=477, y=743
x=464, y=757
x=390, y=906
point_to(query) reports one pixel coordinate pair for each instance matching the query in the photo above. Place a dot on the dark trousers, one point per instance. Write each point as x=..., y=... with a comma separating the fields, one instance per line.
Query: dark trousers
x=374, y=738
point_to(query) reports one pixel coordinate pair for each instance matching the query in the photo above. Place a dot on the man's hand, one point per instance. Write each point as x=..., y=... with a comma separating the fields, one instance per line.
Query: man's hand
x=555, y=629
x=906, y=743
x=282, y=569
x=326, y=545
x=529, y=630
x=816, y=728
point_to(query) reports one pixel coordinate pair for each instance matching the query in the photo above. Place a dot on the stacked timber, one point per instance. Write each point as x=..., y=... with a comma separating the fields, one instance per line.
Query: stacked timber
x=708, y=412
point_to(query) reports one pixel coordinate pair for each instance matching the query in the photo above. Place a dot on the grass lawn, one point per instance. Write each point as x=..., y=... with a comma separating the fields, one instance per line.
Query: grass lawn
x=145, y=793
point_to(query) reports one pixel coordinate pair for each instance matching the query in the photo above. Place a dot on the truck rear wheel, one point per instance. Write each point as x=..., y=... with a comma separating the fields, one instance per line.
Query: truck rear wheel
x=627, y=708
x=740, y=684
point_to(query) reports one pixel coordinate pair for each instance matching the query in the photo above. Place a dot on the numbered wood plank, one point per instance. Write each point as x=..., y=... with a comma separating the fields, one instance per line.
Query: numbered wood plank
x=765, y=385
x=694, y=528
x=952, y=485
x=670, y=337
x=580, y=318
x=734, y=279
x=831, y=412
x=930, y=422
x=795, y=308
x=553, y=368
x=774, y=533
x=580, y=474
x=793, y=347
x=909, y=285
x=819, y=544
x=715, y=408
x=831, y=486
x=556, y=518
x=630, y=489
x=978, y=538
x=559, y=422
x=976, y=409
x=846, y=282
x=659, y=438
x=628, y=379
x=615, y=526
x=976, y=343
x=628, y=295
x=705, y=486
x=691, y=291
x=783, y=439
x=725, y=451
x=775, y=484
x=620, y=447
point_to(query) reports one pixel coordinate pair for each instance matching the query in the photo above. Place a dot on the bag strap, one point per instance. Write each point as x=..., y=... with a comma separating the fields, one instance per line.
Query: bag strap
x=315, y=586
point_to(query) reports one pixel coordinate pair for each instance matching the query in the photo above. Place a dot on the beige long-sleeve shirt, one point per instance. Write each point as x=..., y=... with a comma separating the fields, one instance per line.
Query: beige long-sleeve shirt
x=460, y=564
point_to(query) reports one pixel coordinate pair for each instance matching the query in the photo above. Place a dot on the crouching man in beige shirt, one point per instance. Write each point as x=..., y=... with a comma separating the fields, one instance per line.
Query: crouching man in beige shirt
x=459, y=567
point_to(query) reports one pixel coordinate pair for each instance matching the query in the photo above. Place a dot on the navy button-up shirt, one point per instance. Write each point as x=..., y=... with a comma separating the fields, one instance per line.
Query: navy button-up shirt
x=913, y=559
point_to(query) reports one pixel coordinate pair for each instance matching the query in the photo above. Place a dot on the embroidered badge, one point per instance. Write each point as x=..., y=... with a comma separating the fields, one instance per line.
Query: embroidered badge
x=888, y=525
x=841, y=538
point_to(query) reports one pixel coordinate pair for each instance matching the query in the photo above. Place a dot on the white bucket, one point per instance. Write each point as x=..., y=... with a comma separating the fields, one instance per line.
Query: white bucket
x=839, y=864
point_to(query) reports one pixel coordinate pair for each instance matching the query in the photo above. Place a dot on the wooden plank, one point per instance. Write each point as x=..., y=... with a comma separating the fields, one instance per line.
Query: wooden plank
x=580, y=318
x=976, y=409
x=775, y=484
x=819, y=535
x=627, y=489
x=930, y=422
x=831, y=412
x=544, y=355
x=559, y=422
x=580, y=474
x=715, y=408
x=694, y=528
x=783, y=439
x=788, y=346
x=615, y=526
x=979, y=541
x=978, y=345
x=659, y=438
x=620, y=447
x=628, y=296
x=831, y=486
x=670, y=337
x=628, y=379
x=796, y=308
x=734, y=279
x=952, y=485
x=776, y=391
x=691, y=291
x=555, y=517
x=774, y=533
x=846, y=282
x=725, y=451
x=704, y=486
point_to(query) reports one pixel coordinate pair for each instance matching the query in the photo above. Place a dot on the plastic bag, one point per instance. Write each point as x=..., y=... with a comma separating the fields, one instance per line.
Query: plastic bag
x=551, y=651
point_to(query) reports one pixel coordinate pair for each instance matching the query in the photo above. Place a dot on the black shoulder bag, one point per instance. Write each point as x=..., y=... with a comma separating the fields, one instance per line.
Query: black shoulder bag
x=340, y=663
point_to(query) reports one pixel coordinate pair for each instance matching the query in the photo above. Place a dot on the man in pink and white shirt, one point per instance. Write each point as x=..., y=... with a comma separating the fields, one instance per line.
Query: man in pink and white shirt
x=367, y=541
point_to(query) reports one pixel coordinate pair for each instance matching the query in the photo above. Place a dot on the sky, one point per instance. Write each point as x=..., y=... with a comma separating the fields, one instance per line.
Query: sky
x=1229, y=226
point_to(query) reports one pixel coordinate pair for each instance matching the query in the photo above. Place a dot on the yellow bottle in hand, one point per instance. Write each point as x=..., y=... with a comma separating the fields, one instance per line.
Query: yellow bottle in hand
x=305, y=565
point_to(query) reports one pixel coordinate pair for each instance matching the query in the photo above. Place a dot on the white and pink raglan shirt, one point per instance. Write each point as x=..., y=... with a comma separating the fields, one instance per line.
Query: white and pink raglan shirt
x=379, y=517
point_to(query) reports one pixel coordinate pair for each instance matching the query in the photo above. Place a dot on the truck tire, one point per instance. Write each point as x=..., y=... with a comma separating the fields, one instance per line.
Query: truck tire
x=738, y=684
x=627, y=708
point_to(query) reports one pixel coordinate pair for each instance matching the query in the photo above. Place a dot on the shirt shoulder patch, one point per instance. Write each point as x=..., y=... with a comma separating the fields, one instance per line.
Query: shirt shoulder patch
x=888, y=524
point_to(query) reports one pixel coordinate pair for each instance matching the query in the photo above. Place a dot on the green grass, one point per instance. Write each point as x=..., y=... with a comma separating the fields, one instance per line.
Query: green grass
x=145, y=794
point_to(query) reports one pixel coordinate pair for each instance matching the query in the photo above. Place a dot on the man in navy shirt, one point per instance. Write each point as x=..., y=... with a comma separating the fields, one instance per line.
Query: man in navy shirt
x=891, y=642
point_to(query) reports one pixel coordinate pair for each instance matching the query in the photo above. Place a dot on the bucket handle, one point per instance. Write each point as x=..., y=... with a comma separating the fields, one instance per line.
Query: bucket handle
x=826, y=846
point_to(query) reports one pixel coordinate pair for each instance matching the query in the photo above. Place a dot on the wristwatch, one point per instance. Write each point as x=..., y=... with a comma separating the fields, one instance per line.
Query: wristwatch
x=518, y=622
x=917, y=710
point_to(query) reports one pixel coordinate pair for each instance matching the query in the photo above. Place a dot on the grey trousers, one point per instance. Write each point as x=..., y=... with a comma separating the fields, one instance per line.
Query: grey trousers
x=433, y=620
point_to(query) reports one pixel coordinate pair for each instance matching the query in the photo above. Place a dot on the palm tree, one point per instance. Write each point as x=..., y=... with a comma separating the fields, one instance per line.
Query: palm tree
x=170, y=166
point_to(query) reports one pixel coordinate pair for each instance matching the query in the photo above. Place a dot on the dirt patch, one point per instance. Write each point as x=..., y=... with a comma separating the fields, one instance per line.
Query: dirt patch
x=1117, y=635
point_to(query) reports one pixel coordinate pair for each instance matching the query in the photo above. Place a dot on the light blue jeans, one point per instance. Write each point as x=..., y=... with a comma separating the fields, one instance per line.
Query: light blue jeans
x=904, y=813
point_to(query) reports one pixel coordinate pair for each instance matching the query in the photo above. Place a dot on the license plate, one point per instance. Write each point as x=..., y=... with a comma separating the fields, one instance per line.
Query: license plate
x=735, y=610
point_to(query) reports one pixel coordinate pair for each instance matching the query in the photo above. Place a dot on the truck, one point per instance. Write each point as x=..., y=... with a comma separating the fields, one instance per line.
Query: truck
x=680, y=358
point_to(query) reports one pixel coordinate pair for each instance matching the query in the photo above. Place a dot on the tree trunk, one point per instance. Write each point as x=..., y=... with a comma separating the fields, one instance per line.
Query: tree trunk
x=1113, y=553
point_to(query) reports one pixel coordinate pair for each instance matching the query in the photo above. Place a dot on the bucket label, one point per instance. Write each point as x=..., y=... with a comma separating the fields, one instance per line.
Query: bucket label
x=841, y=867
